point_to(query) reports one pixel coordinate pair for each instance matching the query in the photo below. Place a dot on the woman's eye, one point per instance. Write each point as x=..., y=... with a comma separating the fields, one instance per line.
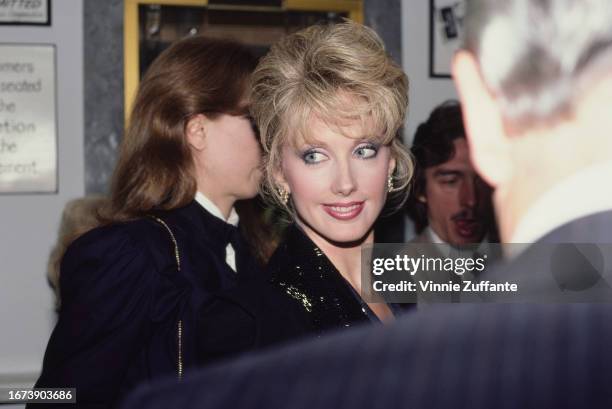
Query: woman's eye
x=312, y=157
x=366, y=151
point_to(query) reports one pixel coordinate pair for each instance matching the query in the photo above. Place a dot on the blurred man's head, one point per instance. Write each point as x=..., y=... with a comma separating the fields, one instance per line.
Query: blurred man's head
x=535, y=80
x=448, y=195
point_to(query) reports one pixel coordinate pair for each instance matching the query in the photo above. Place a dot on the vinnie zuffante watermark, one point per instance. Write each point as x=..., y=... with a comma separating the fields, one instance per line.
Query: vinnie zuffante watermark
x=440, y=273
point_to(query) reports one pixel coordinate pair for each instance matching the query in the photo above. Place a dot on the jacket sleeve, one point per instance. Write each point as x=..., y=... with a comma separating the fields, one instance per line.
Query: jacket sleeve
x=106, y=290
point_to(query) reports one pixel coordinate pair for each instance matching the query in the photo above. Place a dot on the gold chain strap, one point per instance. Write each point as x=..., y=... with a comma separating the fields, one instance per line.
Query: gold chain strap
x=179, y=363
x=176, y=249
x=179, y=328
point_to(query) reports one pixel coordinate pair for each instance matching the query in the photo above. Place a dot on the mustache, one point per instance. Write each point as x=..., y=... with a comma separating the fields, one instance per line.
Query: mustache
x=464, y=215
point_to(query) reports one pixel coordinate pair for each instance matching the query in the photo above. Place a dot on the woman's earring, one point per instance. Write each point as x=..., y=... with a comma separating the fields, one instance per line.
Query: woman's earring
x=390, y=184
x=284, y=195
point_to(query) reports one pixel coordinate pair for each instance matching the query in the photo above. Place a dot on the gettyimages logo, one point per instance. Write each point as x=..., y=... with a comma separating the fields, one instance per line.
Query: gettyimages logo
x=414, y=265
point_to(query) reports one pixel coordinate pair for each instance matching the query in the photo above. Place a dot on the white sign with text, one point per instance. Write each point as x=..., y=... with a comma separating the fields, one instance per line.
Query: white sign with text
x=24, y=11
x=28, y=140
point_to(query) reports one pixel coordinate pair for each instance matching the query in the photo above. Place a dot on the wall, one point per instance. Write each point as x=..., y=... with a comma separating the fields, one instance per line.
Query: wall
x=425, y=92
x=103, y=21
x=29, y=222
x=384, y=16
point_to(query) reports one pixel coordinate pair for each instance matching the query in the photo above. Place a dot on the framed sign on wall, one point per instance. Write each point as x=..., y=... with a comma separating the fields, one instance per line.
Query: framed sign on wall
x=152, y=25
x=28, y=135
x=25, y=12
x=445, y=34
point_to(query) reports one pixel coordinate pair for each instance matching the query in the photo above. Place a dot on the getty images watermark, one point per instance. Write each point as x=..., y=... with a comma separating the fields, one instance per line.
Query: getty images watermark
x=440, y=273
x=430, y=265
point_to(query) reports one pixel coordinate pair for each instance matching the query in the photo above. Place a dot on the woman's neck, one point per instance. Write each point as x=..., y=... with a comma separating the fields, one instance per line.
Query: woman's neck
x=223, y=203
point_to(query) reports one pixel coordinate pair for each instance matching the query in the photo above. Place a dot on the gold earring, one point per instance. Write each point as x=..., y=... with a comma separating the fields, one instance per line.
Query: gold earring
x=390, y=184
x=284, y=195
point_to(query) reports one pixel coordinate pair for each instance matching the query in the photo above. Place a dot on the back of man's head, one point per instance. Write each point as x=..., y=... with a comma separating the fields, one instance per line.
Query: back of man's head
x=537, y=56
x=535, y=81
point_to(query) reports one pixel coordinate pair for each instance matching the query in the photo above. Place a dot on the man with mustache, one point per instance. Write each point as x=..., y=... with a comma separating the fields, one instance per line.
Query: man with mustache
x=450, y=203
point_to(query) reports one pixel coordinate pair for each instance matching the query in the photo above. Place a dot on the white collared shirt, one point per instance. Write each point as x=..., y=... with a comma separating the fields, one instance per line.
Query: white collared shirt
x=580, y=195
x=433, y=237
x=482, y=248
x=206, y=203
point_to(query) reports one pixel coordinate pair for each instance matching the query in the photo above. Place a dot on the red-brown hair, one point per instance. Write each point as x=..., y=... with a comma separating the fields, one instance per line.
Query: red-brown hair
x=155, y=169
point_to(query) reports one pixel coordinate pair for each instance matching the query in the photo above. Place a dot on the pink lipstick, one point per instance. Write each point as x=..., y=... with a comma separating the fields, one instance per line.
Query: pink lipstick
x=344, y=211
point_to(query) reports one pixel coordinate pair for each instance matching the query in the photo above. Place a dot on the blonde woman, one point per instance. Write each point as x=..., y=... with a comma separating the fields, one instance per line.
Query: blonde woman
x=329, y=101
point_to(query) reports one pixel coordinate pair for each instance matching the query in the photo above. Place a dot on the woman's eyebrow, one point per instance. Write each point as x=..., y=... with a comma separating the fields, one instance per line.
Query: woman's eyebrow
x=367, y=139
x=310, y=142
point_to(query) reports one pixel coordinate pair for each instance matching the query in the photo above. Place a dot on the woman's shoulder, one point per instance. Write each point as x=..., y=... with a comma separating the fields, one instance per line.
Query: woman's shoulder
x=111, y=254
x=115, y=238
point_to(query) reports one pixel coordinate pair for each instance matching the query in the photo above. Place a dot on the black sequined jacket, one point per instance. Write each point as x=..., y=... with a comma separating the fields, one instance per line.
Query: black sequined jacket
x=301, y=271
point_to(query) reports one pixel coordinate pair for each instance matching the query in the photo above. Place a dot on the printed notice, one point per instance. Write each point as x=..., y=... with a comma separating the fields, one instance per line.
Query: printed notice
x=28, y=151
x=24, y=11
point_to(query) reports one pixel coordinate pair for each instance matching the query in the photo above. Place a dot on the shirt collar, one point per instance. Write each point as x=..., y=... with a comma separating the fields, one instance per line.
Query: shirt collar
x=211, y=208
x=580, y=195
x=483, y=247
x=432, y=236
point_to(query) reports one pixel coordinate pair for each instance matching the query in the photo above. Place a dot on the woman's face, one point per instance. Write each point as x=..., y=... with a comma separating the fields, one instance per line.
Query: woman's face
x=338, y=184
x=230, y=159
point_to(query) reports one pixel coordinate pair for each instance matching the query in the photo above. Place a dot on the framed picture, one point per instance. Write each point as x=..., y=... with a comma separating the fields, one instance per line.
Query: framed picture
x=25, y=12
x=152, y=25
x=28, y=131
x=445, y=34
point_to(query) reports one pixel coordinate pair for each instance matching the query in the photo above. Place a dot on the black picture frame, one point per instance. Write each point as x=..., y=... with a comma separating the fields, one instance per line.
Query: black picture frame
x=449, y=23
x=47, y=22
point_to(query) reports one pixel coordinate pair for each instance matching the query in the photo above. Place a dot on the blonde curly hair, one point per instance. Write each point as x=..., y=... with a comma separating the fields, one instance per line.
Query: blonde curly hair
x=314, y=72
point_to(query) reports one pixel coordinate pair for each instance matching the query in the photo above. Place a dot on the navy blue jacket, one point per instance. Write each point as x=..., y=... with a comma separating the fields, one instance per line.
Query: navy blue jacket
x=123, y=296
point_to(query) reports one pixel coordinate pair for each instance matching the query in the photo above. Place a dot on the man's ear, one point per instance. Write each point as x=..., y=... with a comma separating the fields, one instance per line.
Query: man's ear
x=195, y=132
x=489, y=145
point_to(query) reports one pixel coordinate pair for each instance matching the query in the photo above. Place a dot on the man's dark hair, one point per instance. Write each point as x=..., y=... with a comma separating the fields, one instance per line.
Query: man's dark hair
x=433, y=145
